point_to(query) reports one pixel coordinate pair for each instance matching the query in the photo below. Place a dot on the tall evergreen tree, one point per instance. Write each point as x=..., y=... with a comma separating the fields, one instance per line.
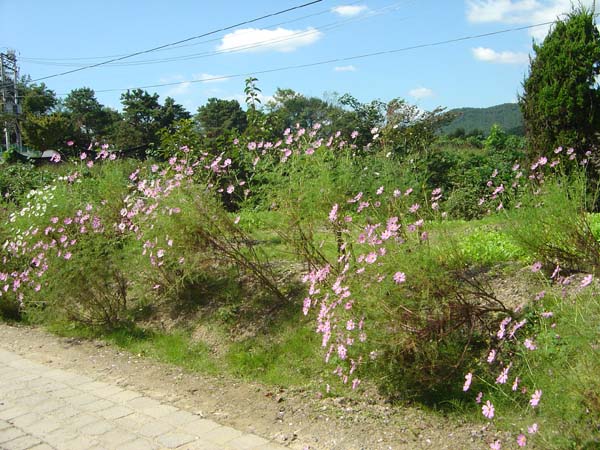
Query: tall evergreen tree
x=561, y=97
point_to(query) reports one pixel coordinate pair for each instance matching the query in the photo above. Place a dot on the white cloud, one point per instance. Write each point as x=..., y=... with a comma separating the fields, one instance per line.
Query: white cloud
x=506, y=57
x=349, y=68
x=279, y=39
x=525, y=12
x=421, y=92
x=349, y=10
x=179, y=89
x=209, y=78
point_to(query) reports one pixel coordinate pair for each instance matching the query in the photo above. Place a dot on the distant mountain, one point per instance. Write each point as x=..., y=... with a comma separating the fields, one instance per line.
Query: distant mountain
x=507, y=115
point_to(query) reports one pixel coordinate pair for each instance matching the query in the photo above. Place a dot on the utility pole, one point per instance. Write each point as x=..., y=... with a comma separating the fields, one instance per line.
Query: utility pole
x=9, y=98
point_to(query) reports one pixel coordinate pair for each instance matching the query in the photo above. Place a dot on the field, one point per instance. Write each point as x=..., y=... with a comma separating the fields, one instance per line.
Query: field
x=454, y=280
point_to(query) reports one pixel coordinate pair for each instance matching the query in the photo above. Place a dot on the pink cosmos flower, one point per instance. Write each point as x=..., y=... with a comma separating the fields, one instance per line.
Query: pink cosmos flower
x=521, y=440
x=70, y=143
x=399, y=277
x=587, y=280
x=488, y=410
x=536, y=266
x=535, y=398
x=468, y=379
x=230, y=189
x=371, y=258
x=379, y=190
x=532, y=429
x=333, y=213
x=83, y=156
x=496, y=445
x=414, y=208
x=515, y=385
x=478, y=398
x=529, y=344
x=503, y=377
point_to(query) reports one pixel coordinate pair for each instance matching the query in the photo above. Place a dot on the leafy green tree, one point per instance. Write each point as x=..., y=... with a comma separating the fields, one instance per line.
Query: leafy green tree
x=37, y=99
x=172, y=112
x=142, y=112
x=50, y=131
x=93, y=119
x=290, y=108
x=220, y=117
x=561, y=97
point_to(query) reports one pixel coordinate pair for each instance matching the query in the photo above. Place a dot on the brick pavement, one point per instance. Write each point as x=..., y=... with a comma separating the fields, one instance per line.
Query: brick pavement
x=46, y=408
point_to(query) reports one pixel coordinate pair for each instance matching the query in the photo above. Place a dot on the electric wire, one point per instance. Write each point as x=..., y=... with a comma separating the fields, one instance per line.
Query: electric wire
x=286, y=22
x=242, y=48
x=333, y=60
x=246, y=22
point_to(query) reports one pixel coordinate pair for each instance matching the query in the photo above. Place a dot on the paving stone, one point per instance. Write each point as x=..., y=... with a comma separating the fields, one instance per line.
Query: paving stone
x=44, y=426
x=222, y=435
x=9, y=434
x=142, y=403
x=159, y=410
x=27, y=419
x=47, y=406
x=107, y=391
x=13, y=412
x=4, y=425
x=82, y=399
x=21, y=443
x=66, y=412
x=154, y=428
x=42, y=446
x=124, y=396
x=56, y=409
x=115, y=412
x=58, y=437
x=82, y=420
x=175, y=439
x=116, y=438
x=98, y=405
x=139, y=444
x=178, y=418
x=247, y=442
x=199, y=426
x=96, y=428
x=79, y=443
x=203, y=445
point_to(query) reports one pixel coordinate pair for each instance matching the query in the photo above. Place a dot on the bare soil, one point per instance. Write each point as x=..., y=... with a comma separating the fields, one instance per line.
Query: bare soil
x=299, y=419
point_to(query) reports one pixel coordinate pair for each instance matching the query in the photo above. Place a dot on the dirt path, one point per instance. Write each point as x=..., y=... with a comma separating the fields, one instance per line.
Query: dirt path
x=296, y=419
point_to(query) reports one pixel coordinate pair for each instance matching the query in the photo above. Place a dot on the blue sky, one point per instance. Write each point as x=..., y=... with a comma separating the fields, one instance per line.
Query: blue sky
x=480, y=72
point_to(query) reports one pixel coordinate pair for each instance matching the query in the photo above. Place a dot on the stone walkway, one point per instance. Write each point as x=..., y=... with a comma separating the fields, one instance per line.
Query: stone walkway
x=47, y=408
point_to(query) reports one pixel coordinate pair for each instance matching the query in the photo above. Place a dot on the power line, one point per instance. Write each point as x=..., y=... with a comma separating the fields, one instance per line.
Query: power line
x=297, y=19
x=241, y=48
x=335, y=60
x=246, y=22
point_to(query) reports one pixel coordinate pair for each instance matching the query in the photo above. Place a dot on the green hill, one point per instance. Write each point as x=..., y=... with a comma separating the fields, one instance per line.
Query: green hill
x=507, y=115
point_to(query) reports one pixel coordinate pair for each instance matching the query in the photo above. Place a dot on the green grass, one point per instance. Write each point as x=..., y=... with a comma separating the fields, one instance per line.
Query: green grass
x=288, y=356
x=564, y=367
